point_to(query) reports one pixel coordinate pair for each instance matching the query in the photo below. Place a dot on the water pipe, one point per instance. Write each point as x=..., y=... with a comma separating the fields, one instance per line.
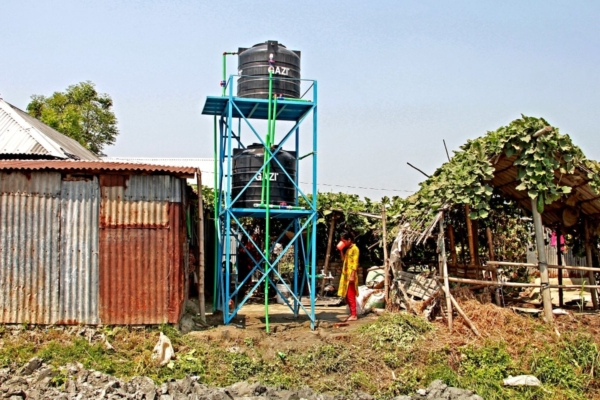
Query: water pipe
x=224, y=81
x=280, y=207
x=267, y=182
x=215, y=200
x=294, y=99
x=267, y=173
x=274, y=119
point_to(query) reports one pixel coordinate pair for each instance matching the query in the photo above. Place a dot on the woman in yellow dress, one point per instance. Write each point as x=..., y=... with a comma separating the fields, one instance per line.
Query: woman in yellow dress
x=349, y=280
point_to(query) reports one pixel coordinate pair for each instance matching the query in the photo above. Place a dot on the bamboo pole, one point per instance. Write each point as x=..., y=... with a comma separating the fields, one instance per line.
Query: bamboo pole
x=475, y=224
x=483, y=267
x=386, y=263
x=594, y=286
x=462, y=314
x=561, y=267
x=470, y=235
x=452, y=300
x=560, y=271
x=490, y=241
x=512, y=264
x=590, y=262
x=452, y=244
x=407, y=300
x=543, y=263
x=418, y=169
x=202, y=253
x=574, y=268
x=445, y=273
x=328, y=252
x=546, y=129
x=518, y=284
x=490, y=283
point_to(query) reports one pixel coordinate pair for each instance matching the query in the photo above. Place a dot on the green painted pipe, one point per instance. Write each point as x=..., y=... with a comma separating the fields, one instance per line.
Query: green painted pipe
x=225, y=54
x=215, y=200
x=273, y=124
x=301, y=100
x=224, y=73
x=266, y=173
x=267, y=183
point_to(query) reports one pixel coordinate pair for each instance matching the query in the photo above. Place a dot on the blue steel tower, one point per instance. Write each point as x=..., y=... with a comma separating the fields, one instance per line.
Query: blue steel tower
x=278, y=109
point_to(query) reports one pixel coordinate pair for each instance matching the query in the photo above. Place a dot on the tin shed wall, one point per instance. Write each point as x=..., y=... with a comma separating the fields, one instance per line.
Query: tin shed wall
x=141, y=243
x=80, y=203
x=29, y=247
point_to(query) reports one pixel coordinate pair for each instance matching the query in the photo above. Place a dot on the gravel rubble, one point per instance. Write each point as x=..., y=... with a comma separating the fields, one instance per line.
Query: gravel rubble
x=36, y=380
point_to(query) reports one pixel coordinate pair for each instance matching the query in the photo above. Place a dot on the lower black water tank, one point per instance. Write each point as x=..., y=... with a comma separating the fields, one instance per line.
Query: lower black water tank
x=245, y=164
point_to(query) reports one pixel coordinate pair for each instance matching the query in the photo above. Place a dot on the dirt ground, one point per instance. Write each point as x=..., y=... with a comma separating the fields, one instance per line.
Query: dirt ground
x=286, y=332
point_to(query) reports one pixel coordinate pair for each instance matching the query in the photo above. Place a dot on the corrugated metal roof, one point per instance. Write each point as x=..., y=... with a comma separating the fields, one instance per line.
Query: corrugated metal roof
x=93, y=166
x=205, y=165
x=21, y=134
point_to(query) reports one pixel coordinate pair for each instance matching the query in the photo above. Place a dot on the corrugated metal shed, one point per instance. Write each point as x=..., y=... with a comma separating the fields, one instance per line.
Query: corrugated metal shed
x=29, y=247
x=79, y=272
x=141, y=243
x=80, y=247
x=21, y=134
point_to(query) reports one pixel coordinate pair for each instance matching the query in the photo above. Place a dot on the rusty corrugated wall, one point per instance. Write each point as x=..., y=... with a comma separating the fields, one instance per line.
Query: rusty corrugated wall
x=29, y=247
x=141, y=243
x=80, y=204
x=82, y=248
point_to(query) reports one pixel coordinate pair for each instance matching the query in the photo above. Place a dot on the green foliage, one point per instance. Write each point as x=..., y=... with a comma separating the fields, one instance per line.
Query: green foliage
x=80, y=113
x=386, y=357
x=550, y=370
x=482, y=369
x=582, y=353
x=488, y=362
x=395, y=330
x=464, y=179
x=208, y=198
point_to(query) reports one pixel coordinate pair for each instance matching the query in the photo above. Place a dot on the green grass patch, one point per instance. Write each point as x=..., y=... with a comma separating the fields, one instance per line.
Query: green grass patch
x=393, y=355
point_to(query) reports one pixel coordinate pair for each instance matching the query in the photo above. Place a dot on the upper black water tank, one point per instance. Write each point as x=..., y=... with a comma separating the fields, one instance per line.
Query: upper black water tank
x=254, y=65
x=245, y=164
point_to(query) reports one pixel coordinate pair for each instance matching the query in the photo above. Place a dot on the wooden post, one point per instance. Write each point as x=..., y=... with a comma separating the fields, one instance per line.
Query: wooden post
x=475, y=224
x=490, y=241
x=590, y=262
x=542, y=262
x=445, y=273
x=559, y=259
x=463, y=248
x=202, y=253
x=386, y=263
x=470, y=237
x=328, y=252
x=452, y=245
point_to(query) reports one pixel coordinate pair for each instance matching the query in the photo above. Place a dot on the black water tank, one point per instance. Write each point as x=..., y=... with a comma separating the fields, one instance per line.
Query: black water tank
x=253, y=64
x=245, y=164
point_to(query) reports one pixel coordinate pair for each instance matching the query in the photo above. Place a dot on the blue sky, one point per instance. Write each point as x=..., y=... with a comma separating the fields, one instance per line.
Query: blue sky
x=395, y=77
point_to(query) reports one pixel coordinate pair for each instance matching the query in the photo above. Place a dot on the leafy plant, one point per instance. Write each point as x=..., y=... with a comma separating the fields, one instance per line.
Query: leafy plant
x=464, y=179
x=81, y=113
x=395, y=330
